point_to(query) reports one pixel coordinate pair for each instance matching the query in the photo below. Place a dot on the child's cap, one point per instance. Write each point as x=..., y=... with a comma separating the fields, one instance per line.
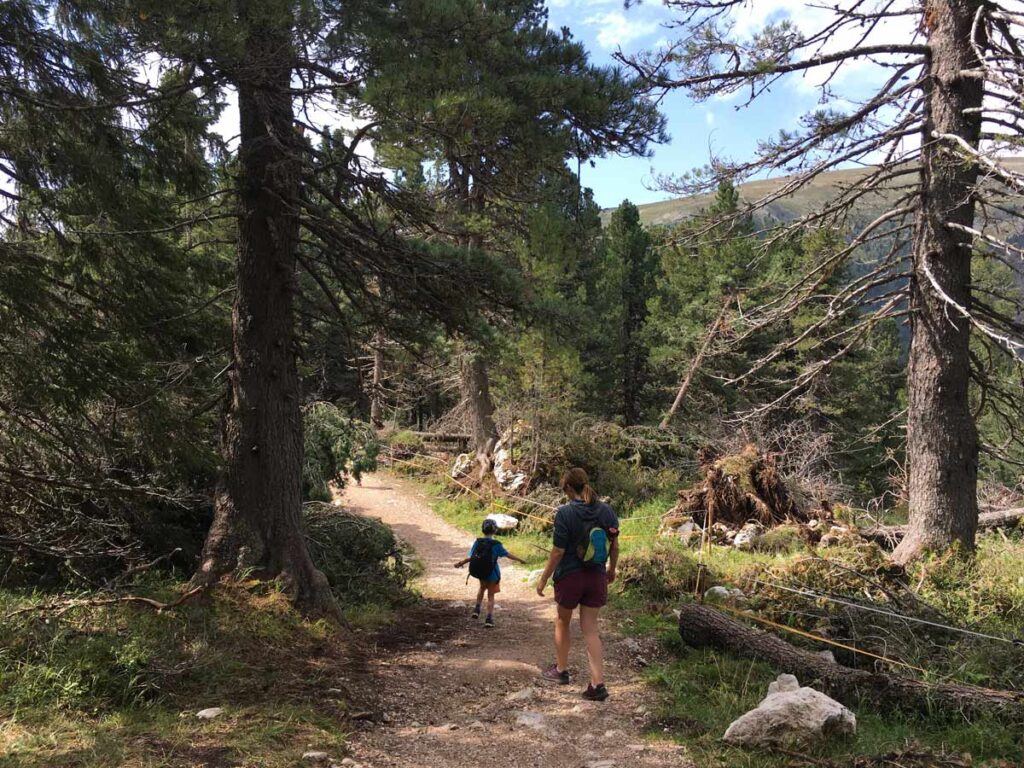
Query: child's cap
x=489, y=526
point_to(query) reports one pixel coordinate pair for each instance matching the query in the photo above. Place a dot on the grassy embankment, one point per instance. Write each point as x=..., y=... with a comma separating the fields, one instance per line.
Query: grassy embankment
x=120, y=685
x=699, y=692
x=105, y=686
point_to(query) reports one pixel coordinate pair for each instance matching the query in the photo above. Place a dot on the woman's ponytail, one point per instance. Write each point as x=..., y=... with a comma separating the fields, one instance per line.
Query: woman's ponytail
x=577, y=482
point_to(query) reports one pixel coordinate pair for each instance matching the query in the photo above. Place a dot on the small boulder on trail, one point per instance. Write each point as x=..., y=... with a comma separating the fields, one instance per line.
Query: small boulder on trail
x=791, y=715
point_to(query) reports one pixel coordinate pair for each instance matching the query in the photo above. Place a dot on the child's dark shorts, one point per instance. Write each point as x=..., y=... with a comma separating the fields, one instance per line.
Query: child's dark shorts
x=586, y=587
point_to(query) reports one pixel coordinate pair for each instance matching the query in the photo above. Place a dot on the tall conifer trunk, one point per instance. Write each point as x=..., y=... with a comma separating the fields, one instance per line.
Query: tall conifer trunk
x=258, y=518
x=476, y=389
x=942, y=442
x=474, y=379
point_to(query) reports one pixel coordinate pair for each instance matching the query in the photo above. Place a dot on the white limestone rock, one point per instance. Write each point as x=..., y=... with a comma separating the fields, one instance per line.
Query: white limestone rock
x=791, y=715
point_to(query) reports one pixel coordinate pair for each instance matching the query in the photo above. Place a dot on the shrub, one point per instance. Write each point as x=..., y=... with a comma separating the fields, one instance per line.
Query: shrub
x=660, y=574
x=335, y=447
x=405, y=443
x=361, y=557
x=625, y=464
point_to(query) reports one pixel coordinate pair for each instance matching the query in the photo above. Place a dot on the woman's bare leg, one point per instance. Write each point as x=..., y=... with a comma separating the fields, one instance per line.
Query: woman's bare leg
x=563, y=637
x=592, y=638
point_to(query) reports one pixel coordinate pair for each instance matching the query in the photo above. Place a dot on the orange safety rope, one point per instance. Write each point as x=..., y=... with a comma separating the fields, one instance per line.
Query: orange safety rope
x=479, y=495
x=498, y=504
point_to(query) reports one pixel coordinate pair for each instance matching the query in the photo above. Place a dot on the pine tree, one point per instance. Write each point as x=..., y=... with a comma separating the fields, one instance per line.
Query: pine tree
x=111, y=300
x=629, y=284
x=493, y=101
x=923, y=90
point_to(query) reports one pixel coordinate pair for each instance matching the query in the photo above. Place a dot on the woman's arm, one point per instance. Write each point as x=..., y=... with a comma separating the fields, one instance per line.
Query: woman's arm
x=553, y=560
x=613, y=559
x=462, y=563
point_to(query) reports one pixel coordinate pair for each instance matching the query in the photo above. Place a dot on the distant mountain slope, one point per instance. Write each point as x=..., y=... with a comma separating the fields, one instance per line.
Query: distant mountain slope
x=806, y=199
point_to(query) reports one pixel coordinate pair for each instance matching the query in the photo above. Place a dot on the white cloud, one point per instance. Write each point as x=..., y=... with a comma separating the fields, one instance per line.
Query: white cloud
x=615, y=29
x=810, y=18
x=709, y=117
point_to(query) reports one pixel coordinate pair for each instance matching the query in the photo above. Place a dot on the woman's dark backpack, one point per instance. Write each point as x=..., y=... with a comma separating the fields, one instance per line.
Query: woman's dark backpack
x=481, y=562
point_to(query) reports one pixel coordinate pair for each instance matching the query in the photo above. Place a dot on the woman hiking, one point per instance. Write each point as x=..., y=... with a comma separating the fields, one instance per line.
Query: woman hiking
x=583, y=558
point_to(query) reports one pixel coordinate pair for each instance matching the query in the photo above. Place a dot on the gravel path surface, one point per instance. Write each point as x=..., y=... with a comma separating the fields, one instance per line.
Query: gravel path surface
x=454, y=694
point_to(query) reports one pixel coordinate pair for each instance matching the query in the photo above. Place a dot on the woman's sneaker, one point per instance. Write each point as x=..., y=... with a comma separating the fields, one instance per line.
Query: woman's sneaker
x=553, y=675
x=599, y=693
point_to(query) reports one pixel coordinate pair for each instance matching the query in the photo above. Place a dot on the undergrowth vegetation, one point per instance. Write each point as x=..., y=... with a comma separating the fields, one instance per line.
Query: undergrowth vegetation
x=703, y=691
x=700, y=692
x=361, y=557
x=832, y=588
x=104, y=686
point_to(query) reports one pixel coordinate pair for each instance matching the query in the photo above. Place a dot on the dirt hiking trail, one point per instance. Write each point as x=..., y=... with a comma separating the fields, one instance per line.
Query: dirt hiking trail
x=453, y=694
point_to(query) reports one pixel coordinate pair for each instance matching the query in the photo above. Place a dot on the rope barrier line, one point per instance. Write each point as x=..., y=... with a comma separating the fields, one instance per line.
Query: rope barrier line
x=477, y=494
x=759, y=619
x=480, y=496
x=819, y=638
x=803, y=592
x=524, y=499
x=706, y=542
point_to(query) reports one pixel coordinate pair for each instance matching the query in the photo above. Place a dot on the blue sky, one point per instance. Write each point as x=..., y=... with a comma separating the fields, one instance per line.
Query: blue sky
x=605, y=26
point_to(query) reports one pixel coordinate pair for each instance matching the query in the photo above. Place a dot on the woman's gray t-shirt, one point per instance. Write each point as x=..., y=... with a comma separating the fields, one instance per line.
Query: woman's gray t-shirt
x=571, y=523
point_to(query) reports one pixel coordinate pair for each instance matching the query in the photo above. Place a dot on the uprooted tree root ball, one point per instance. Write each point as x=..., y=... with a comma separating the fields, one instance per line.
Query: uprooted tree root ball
x=737, y=489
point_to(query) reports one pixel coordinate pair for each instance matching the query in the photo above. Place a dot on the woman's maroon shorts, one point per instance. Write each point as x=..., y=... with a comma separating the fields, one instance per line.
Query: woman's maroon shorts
x=586, y=587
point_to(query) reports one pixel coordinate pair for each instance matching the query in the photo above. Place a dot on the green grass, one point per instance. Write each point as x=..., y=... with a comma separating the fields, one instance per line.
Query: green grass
x=98, y=687
x=468, y=513
x=703, y=691
x=532, y=540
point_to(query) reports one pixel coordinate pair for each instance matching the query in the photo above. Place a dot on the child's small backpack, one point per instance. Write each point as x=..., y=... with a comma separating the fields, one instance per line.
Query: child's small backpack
x=593, y=549
x=481, y=562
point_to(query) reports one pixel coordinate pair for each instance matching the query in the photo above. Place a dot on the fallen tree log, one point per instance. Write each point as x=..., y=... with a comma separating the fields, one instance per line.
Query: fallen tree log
x=888, y=536
x=443, y=437
x=701, y=626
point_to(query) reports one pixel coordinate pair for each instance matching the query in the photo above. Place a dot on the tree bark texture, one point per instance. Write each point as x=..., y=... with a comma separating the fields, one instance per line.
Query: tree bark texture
x=476, y=391
x=701, y=626
x=258, y=516
x=942, y=442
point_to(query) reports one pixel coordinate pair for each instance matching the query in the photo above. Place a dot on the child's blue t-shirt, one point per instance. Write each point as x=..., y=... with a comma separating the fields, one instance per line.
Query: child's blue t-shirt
x=497, y=550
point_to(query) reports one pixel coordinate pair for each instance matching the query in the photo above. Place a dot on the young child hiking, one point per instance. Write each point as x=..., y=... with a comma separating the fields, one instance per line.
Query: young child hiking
x=483, y=566
x=583, y=558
